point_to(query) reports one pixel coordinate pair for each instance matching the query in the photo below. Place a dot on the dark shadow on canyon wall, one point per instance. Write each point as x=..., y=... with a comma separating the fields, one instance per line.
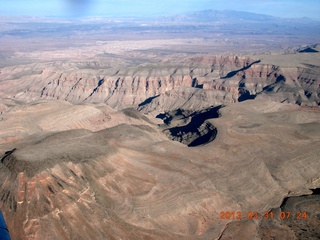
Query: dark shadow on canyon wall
x=197, y=132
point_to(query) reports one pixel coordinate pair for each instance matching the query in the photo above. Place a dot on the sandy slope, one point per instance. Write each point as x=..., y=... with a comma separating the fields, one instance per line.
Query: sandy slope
x=129, y=181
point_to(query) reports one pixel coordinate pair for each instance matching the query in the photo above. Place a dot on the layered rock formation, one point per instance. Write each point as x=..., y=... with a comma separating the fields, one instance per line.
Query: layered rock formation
x=131, y=182
x=197, y=82
x=86, y=147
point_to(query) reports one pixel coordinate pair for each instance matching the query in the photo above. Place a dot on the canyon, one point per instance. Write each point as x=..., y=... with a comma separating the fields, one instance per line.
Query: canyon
x=159, y=138
x=204, y=81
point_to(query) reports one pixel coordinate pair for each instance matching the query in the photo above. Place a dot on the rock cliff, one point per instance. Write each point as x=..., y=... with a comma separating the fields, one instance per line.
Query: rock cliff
x=197, y=82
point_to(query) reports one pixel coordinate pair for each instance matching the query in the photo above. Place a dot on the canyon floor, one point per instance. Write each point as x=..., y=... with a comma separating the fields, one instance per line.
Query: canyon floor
x=178, y=137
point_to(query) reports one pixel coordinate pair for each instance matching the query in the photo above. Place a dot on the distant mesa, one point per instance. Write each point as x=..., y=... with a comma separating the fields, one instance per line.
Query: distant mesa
x=308, y=50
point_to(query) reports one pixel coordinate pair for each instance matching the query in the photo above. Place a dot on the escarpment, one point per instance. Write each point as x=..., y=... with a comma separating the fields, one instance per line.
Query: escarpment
x=204, y=81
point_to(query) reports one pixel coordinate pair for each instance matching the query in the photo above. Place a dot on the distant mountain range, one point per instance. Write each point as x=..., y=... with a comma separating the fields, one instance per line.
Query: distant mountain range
x=206, y=24
x=205, y=16
x=231, y=16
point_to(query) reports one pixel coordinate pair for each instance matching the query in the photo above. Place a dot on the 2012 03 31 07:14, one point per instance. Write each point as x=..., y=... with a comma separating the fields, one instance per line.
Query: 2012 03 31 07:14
x=266, y=215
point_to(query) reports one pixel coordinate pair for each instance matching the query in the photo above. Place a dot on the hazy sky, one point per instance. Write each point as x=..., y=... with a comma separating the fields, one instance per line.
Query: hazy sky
x=60, y=8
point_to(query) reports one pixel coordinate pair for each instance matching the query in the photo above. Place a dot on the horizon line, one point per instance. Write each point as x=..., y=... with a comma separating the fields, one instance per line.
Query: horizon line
x=151, y=16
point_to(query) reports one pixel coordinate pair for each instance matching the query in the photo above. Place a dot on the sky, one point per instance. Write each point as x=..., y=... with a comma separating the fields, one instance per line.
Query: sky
x=149, y=8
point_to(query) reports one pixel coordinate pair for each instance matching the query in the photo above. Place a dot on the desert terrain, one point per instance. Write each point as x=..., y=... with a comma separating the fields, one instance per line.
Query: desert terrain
x=194, y=126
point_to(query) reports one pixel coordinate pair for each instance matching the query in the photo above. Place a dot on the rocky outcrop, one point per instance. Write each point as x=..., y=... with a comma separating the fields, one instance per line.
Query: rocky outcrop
x=130, y=181
x=195, y=130
x=196, y=82
x=187, y=98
